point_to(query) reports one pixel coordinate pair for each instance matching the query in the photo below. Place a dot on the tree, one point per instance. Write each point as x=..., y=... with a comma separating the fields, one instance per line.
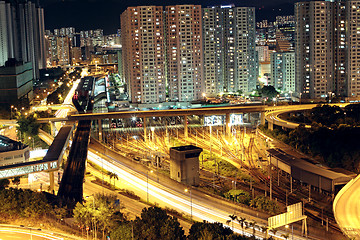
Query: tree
x=232, y=217
x=264, y=203
x=102, y=212
x=4, y=183
x=239, y=196
x=253, y=226
x=83, y=214
x=264, y=229
x=27, y=125
x=123, y=231
x=113, y=175
x=60, y=212
x=268, y=91
x=156, y=224
x=242, y=222
x=201, y=229
x=285, y=235
x=326, y=114
x=273, y=231
x=16, y=181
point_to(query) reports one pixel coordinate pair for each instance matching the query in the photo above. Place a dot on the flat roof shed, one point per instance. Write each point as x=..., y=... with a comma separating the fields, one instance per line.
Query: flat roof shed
x=299, y=169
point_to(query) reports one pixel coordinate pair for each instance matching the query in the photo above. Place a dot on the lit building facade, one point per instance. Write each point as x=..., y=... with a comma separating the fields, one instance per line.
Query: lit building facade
x=184, y=55
x=263, y=53
x=143, y=53
x=328, y=48
x=230, y=57
x=352, y=55
x=283, y=71
x=314, y=48
x=6, y=33
x=63, y=50
x=16, y=82
x=22, y=34
x=13, y=152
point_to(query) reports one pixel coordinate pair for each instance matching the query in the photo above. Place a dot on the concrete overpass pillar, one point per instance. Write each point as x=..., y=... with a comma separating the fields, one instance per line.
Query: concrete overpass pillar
x=270, y=126
x=185, y=127
x=262, y=118
x=52, y=128
x=52, y=182
x=145, y=132
x=100, y=130
x=227, y=126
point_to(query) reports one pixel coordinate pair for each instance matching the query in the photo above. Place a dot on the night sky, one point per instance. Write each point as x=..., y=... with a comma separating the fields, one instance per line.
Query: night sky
x=105, y=14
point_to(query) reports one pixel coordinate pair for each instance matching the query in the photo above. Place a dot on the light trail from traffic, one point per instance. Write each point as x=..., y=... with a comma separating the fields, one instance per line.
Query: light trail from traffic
x=347, y=208
x=27, y=233
x=61, y=113
x=170, y=197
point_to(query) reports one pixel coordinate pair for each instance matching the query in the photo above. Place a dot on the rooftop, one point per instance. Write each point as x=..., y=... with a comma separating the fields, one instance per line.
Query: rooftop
x=186, y=148
x=7, y=144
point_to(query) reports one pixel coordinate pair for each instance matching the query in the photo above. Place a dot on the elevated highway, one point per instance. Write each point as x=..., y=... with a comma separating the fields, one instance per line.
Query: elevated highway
x=346, y=208
x=171, y=112
x=272, y=114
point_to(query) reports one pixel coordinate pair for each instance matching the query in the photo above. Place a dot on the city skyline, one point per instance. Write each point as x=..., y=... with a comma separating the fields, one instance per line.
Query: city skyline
x=80, y=13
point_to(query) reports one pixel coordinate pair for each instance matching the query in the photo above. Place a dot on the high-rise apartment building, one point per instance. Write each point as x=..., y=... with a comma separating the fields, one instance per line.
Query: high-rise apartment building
x=51, y=50
x=352, y=39
x=340, y=49
x=328, y=49
x=22, y=34
x=263, y=53
x=143, y=50
x=184, y=55
x=6, y=30
x=315, y=48
x=283, y=71
x=16, y=81
x=230, y=58
x=63, y=50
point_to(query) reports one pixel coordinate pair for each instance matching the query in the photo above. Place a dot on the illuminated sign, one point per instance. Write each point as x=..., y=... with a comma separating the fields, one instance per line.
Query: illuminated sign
x=215, y=120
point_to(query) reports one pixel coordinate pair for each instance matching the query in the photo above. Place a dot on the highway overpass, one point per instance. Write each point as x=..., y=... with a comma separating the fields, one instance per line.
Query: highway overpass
x=272, y=114
x=346, y=209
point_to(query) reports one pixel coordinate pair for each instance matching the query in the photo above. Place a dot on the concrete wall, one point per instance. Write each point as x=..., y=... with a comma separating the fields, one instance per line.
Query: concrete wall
x=184, y=164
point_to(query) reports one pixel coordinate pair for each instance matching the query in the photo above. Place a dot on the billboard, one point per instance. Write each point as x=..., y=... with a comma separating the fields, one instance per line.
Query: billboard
x=215, y=120
x=294, y=213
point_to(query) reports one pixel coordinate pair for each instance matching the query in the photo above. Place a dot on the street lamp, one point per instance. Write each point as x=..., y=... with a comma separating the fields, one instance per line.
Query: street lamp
x=32, y=141
x=152, y=134
x=189, y=190
x=292, y=230
x=12, y=106
x=147, y=184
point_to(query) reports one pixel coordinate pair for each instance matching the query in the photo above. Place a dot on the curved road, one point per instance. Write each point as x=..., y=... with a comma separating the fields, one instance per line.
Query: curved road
x=272, y=114
x=346, y=208
x=346, y=204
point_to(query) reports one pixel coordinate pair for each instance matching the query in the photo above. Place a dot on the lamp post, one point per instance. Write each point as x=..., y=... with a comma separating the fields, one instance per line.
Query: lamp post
x=152, y=134
x=12, y=106
x=210, y=142
x=189, y=190
x=32, y=142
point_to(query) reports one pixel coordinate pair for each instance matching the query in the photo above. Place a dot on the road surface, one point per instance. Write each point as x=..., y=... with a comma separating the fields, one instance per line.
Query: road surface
x=347, y=208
